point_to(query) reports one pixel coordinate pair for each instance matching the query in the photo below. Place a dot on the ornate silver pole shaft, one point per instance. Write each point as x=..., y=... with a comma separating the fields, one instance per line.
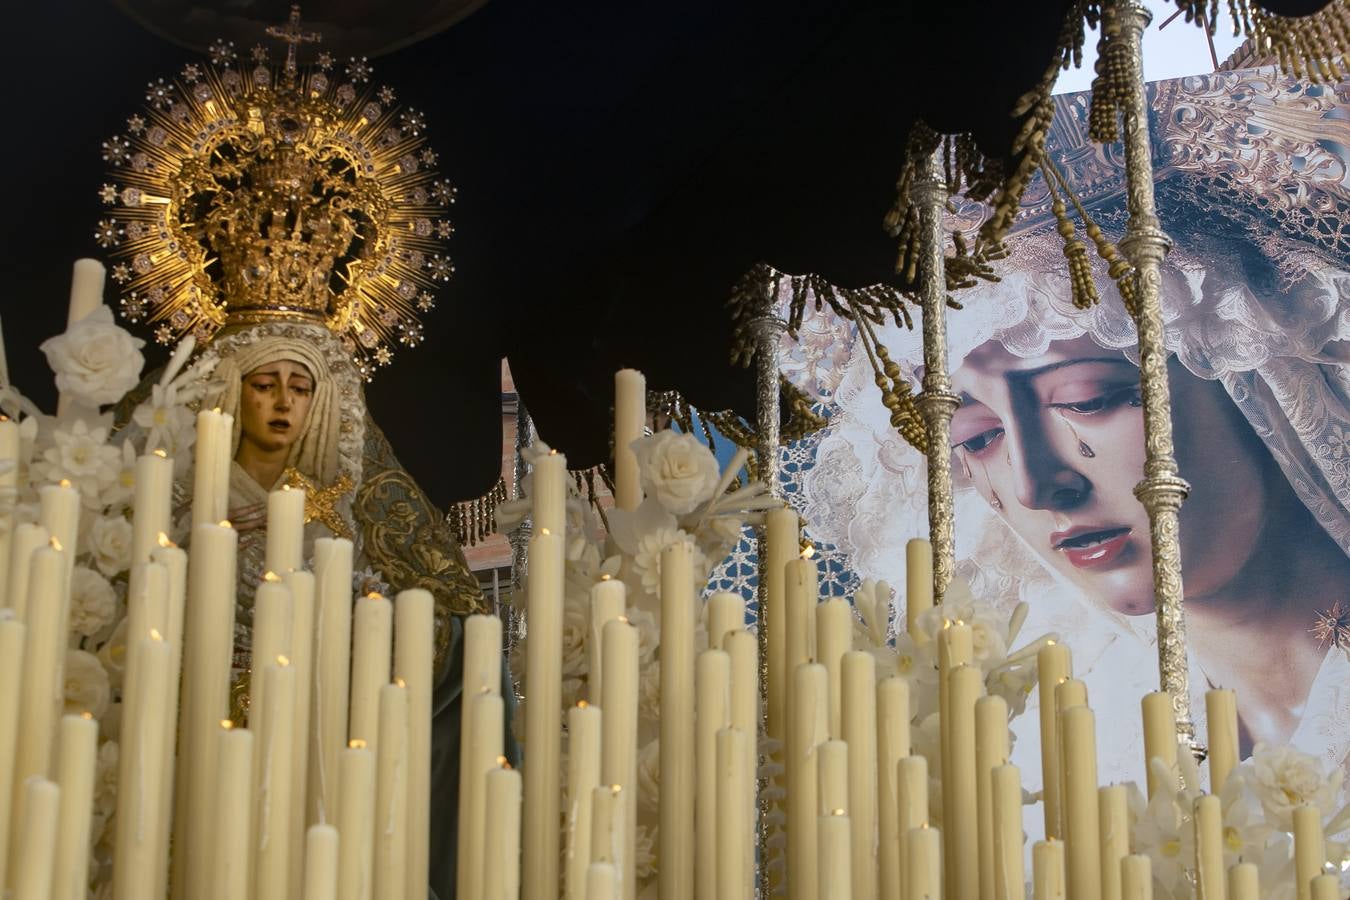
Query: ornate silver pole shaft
x=936, y=402
x=768, y=330
x=1162, y=490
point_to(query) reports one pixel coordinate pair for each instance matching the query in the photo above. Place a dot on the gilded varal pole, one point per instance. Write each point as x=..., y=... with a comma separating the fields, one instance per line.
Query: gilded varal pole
x=937, y=402
x=1162, y=490
x=768, y=330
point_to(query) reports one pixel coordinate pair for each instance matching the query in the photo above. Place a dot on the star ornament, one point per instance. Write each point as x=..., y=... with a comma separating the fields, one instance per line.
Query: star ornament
x=1333, y=626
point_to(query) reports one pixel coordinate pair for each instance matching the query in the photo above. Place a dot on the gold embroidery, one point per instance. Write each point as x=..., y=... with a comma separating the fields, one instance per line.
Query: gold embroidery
x=321, y=502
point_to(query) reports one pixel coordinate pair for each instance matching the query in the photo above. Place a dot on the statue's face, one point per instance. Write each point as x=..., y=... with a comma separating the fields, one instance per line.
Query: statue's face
x=273, y=404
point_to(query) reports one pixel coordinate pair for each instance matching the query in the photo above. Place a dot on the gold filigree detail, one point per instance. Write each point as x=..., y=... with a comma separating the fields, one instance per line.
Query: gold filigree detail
x=321, y=503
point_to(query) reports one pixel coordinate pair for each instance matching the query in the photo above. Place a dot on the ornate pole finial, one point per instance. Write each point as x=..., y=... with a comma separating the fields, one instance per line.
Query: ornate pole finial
x=294, y=37
x=1162, y=490
x=937, y=402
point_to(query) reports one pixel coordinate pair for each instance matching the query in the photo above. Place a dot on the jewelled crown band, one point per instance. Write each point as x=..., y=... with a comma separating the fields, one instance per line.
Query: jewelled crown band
x=252, y=191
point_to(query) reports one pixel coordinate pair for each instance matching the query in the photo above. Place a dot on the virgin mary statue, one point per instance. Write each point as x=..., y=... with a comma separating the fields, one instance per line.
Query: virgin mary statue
x=291, y=221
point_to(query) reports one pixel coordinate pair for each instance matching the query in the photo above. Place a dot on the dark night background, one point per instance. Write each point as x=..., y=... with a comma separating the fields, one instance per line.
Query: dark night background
x=620, y=165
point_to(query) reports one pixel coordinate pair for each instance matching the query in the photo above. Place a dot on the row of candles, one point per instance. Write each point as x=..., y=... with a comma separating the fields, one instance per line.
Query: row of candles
x=857, y=797
x=338, y=745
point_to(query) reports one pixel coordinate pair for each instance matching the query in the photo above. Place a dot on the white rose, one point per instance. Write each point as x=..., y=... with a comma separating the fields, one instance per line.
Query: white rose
x=647, y=560
x=93, y=602
x=110, y=542
x=95, y=361
x=113, y=653
x=1284, y=778
x=677, y=469
x=105, y=779
x=86, y=684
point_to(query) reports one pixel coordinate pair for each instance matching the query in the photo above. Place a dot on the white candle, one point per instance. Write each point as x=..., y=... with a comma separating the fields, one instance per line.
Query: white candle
x=391, y=794
x=834, y=638
x=140, y=775
x=734, y=855
x=549, y=503
x=285, y=530
x=892, y=746
x=608, y=599
x=810, y=727
x=860, y=732
x=1326, y=887
x=991, y=750
x=1115, y=837
x=726, y=613
x=1160, y=734
x=1009, y=866
x=321, y=862
x=211, y=467
x=543, y=715
x=43, y=679
x=372, y=652
x=584, y=723
x=608, y=806
x=801, y=593
x=28, y=536
x=1047, y=870
x=713, y=680
x=9, y=479
x=301, y=656
x=630, y=419
x=356, y=822
x=1053, y=665
x=34, y=867
x=59, y=513
x=273, y=618
x=961, y=828
x=86, y=289
x=918, y=583
x=1221, y=717
x=911, y=779
x=781, y=530
x=276, y=735
x=232, y=853
x=486, y=735
x=743, y=648
x=835, y=873
x=1244, y=882
x=332, y=674
x=153, y=496
x=1136, y=878
x=923, y=864
x=13, y=638
x=75, y=769
x=501, y=852
x=1210, y=877
x=414, y=663
x=1310, y=849
x=1082, y=819
x=600, y=881
x=831, y=777
x=618, y=764
x=208, y=648
x=482, y=675
x=679, y=606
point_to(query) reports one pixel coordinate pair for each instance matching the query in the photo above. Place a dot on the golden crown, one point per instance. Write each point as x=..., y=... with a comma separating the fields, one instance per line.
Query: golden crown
x=262, y=192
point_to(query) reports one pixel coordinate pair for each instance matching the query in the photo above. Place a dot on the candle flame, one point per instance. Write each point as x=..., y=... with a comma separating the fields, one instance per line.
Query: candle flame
x=838, y=812
x=506, y=767
x=283, y=661
x=544, y=531
x=623, y=619
x=271, y=576
x=227, y=724
x=960, y=621
x=606, y=577
x=1049, y=642
x=54, y=543
x=155, y=635
x=87, y=715
x=159, y=451
x=163, y=540
x=4, y=418
x=1062, y=680
x=582, y=704
x=356, y=744
x=374, y=595
x=400, y=682
x=946, y=623
x=285, y=487
x=924, y=825
x=616, y=789
x=808, y=551
x=225, y=523
x=65, y=483
x=553, y=453
x=216, y=410
x=503, y=761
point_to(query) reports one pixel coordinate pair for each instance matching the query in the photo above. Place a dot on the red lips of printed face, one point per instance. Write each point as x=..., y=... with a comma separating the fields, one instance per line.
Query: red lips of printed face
x=1090, y=546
